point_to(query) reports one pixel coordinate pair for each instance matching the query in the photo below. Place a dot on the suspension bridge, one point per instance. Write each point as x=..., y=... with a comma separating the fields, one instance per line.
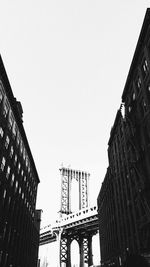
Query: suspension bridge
x=80, y=226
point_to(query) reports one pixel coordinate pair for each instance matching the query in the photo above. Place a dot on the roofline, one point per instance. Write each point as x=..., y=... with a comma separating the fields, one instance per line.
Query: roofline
x=146, y=24
x=113, y=129
x=12, y=99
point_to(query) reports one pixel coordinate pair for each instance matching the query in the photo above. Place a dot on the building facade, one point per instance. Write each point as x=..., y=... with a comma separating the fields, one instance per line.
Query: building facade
x=19, y=234
x=124, y=198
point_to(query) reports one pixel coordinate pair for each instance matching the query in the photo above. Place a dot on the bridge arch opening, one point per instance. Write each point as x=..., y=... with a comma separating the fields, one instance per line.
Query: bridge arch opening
x=75, y=256
x=74, y=195
x=96, y=249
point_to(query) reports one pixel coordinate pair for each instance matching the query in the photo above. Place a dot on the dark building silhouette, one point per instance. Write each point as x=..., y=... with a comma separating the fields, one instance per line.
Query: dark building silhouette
x=19, y=221
x=124, y=198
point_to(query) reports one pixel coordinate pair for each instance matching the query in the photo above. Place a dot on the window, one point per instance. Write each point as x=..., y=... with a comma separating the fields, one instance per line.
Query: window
x=12, y=179
x=14, y=129
x=7, y=142
x=19, y=190
x=18, y=138
x=11, y=119
x=27, y=162
x=148, y=92
x=138, y=85
x=8, y=172
x=29, y=167
x=11, y=151
x=21, y=147
x=145, y=68
x=1, y=92
x=3, y=163
x=15, y=160
x=24, y=154
x=143, y=107
x=16, y=186
x=9, y=200
x=1, y=132
x=4, y=194
x=19, y=166
x=133, y=96
x=139, y=82
x=129, y=108
x=5, y=108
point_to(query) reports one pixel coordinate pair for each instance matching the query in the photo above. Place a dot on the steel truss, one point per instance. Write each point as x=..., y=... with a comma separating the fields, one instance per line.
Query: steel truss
x=67, y=175
x=65, y=251
x=85, y=248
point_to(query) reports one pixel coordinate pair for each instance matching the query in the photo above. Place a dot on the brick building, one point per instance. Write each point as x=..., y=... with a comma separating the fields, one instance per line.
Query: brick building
x=19, y=234
x=124, y=198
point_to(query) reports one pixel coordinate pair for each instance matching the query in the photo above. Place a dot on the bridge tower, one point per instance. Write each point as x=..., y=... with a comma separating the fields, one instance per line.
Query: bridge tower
x=83, y=238
x=67, y=176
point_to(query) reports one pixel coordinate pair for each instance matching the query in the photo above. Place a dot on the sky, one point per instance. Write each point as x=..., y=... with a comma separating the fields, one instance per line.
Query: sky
x=67, y=62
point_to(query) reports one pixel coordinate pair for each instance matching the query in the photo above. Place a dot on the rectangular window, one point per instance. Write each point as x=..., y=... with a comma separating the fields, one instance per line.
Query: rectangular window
x=26, y=161
x=16, y=186
x=24, y=154
x=1, y=92
x=139, y=82
x=19, y=166
x=4, y=194
x=3, y=163
x=1, y=96
x=18, y=138
x=11, y=151
x=12, y=179
x=19, y=190
x=145, y=68
x=10, y=119
x=14, y=129
x=8, y=172
x=21, y=147
x=1, y=132
x=15, y=160
x=7, y=142
x=143, y=107
x=5, y=107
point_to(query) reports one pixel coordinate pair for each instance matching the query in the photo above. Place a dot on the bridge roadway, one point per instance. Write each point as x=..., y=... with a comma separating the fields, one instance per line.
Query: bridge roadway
x=84, y=221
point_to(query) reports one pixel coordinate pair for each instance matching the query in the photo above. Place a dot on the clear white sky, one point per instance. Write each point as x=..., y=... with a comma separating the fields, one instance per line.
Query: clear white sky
x=67, y=62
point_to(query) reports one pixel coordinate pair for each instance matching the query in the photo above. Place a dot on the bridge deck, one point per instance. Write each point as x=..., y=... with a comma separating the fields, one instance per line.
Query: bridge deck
x=85, y=220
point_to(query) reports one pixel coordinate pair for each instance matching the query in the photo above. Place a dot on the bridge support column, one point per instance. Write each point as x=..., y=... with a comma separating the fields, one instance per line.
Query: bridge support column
x=90, y=254
x=85, y=246
x=65, y=251
x=81, y=252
